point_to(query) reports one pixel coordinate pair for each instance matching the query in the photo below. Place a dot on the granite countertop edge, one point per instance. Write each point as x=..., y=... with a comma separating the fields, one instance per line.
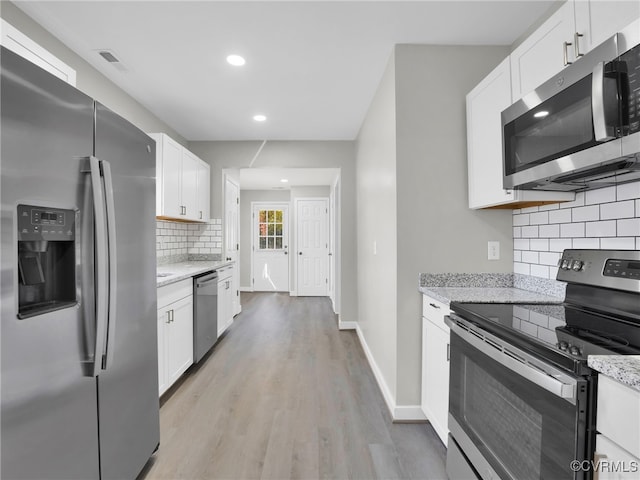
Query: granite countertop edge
x=183, y=270
x=487, y=295
x=622, y=368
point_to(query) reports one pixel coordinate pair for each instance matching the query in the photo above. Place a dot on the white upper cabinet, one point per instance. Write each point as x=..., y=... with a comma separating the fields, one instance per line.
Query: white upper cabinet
x=542, y=54
x=576, y=28
x=484, y=146
x=182, y=182
x=204, y=194
x=598, y=20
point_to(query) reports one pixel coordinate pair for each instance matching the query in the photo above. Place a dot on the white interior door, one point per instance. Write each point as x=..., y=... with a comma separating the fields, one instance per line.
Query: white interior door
x=232, y=235
x=312, y=247
x=271, y=247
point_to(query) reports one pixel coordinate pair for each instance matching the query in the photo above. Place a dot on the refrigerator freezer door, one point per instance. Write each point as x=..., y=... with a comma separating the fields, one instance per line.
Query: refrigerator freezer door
x=48, y=418
x=128, y=387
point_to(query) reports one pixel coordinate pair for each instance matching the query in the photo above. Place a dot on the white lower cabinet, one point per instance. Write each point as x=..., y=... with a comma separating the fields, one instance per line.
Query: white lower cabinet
x=618, y=423
x=175, y=332
x=435, y=365
x=226, y=291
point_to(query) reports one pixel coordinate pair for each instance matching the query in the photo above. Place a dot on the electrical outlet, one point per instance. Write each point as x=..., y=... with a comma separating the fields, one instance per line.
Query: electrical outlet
x=375, y=247
x=493, y=250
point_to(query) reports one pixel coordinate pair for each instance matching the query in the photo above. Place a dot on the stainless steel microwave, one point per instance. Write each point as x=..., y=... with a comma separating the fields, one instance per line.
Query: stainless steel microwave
x=580, y=129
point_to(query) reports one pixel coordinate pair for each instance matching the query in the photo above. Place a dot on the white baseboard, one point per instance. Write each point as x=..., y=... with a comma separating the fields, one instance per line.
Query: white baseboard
x=401, y=413
x=347, y=325
x=246, y=289
x=293, y=293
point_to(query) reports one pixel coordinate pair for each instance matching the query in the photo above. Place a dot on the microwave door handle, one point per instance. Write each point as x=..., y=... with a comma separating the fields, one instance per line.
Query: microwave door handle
x=597, y=104
x=101, y=262
x=112, y=259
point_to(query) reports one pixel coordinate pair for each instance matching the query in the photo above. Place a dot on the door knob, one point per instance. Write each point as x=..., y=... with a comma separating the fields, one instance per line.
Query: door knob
x=299, y=253
x=228, y=259
x=286, y=253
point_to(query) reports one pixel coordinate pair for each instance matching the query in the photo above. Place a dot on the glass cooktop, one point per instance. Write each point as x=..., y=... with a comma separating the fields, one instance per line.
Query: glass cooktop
x=562, y=333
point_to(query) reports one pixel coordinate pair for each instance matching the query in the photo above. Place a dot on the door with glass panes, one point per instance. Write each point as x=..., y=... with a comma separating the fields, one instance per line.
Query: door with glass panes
x=270, y=247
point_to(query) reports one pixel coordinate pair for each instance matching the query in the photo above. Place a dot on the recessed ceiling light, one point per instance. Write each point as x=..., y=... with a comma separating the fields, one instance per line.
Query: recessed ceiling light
x=236, y=60
x=284, y=180
x=259, y=118
x=541, y=114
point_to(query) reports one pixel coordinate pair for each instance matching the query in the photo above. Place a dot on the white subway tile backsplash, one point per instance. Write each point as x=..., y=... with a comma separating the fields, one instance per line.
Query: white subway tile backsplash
x=578, y=202
x=539, y=218
x=517, y=232
x=629, y=227
x=530, y=257
x=585, y=214
x=618, y=243
x=628, y=190
x=549, y=258
x=540, y=271
x=529, y=209
x=553, y=206
x=560, y=216
x=571, y=230
x=521, y=244
x=624, y=209
x=540, y=244
x=530, y=232
x=517, y=255
x=586, y=243
x=606, y=228
x=521, y=219
x=522, y=268
x=601, y=195
x=549, y=231
x=176, y=238
x=559, y=245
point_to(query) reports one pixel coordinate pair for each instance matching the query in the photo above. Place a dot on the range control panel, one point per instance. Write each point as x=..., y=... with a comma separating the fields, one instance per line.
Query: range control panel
x=619, y=269
x=622, y=269
x=42, y=223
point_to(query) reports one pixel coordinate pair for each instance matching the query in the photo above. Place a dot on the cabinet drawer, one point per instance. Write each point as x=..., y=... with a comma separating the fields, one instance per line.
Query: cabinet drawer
x=619, y=414
x=174, y=291
x=435, y=311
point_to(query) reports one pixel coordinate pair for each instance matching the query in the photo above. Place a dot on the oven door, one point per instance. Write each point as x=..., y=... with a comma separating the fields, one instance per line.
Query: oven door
x=512, y=416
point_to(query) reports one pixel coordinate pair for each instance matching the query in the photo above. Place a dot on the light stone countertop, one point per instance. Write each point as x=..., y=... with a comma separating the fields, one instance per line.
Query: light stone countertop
x=487, y=295
x=622, y=368
x=174, y=272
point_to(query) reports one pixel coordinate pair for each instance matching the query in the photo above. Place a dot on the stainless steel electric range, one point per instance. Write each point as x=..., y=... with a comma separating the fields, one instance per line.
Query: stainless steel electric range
x=522, y=400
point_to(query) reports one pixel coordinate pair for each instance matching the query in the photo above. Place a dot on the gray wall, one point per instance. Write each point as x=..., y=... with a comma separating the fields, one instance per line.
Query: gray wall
x=437, y=232
x=412, y=199
x=246, y=225
x=88, y=79
x=296, y=154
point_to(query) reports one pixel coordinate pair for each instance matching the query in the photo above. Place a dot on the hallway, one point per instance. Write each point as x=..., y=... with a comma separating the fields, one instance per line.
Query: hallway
x=285, y=394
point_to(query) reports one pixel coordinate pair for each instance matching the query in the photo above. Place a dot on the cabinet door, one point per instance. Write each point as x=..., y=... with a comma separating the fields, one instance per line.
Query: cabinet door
x=221, y=307
x=435, y=377
x=596, y=21
x=541, y=55
x=485, y=103
x=170, y=189
x=180, y=338
x=163, y=322
x=190, y=165
x=614, y=462
x=204, y=182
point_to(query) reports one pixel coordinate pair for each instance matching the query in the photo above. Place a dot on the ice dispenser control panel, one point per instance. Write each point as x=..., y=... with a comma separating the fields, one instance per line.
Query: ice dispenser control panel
x=41, y=223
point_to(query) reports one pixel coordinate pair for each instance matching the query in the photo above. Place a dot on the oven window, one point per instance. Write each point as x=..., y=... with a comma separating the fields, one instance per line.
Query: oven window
x=559, y=126
x=507, y=422
x=522, y=430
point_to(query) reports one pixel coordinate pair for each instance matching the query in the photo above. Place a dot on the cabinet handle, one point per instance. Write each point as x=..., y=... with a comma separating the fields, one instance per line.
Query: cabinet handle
x=448, y=352
x=168, y=316
x=566, y=53
x=200, y=214
x=172, y=315
x=576, y=44
x=434, y=305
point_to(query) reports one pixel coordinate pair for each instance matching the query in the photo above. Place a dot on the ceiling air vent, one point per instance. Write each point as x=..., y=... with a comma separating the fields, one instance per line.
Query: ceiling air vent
x=110, y=57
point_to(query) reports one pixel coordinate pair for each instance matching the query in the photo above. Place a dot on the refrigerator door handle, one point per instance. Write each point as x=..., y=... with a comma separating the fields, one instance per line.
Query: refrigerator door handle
x=113, y=261
x=101, y=259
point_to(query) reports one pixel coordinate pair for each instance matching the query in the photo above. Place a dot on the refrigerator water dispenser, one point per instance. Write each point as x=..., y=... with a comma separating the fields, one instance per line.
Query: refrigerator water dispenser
x=46, y=260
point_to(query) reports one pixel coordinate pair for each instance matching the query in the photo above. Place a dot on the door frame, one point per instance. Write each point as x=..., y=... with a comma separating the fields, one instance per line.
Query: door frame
x=294, y=291
x=254, y=236
x=227, y=178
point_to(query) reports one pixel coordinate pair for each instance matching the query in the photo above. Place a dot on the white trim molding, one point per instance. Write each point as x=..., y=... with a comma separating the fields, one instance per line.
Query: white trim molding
x=246, y=289
x=347, y=325
x=401, y=413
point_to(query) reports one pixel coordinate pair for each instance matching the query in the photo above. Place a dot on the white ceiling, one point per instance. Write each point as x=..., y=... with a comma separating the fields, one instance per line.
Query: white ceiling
x=270, y=178
x=312, y=67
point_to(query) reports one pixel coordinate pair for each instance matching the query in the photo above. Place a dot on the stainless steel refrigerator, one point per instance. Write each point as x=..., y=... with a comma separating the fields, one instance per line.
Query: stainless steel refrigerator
x=79, y=374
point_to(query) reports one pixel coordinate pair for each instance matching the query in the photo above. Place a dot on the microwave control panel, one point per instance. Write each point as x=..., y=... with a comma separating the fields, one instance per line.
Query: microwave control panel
x=632, y=61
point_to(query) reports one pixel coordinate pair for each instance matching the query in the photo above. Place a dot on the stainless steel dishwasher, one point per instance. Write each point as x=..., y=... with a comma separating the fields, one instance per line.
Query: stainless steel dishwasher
x=205, y=314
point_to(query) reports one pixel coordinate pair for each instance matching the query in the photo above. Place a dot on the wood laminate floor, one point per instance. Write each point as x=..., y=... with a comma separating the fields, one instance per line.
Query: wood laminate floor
x=285, y=394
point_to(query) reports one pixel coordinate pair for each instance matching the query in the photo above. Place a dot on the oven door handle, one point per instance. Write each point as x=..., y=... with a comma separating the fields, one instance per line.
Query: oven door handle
x=544, y=376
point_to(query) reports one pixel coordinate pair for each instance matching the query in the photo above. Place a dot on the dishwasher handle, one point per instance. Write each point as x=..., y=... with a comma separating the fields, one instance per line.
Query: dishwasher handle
x=206, y=279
